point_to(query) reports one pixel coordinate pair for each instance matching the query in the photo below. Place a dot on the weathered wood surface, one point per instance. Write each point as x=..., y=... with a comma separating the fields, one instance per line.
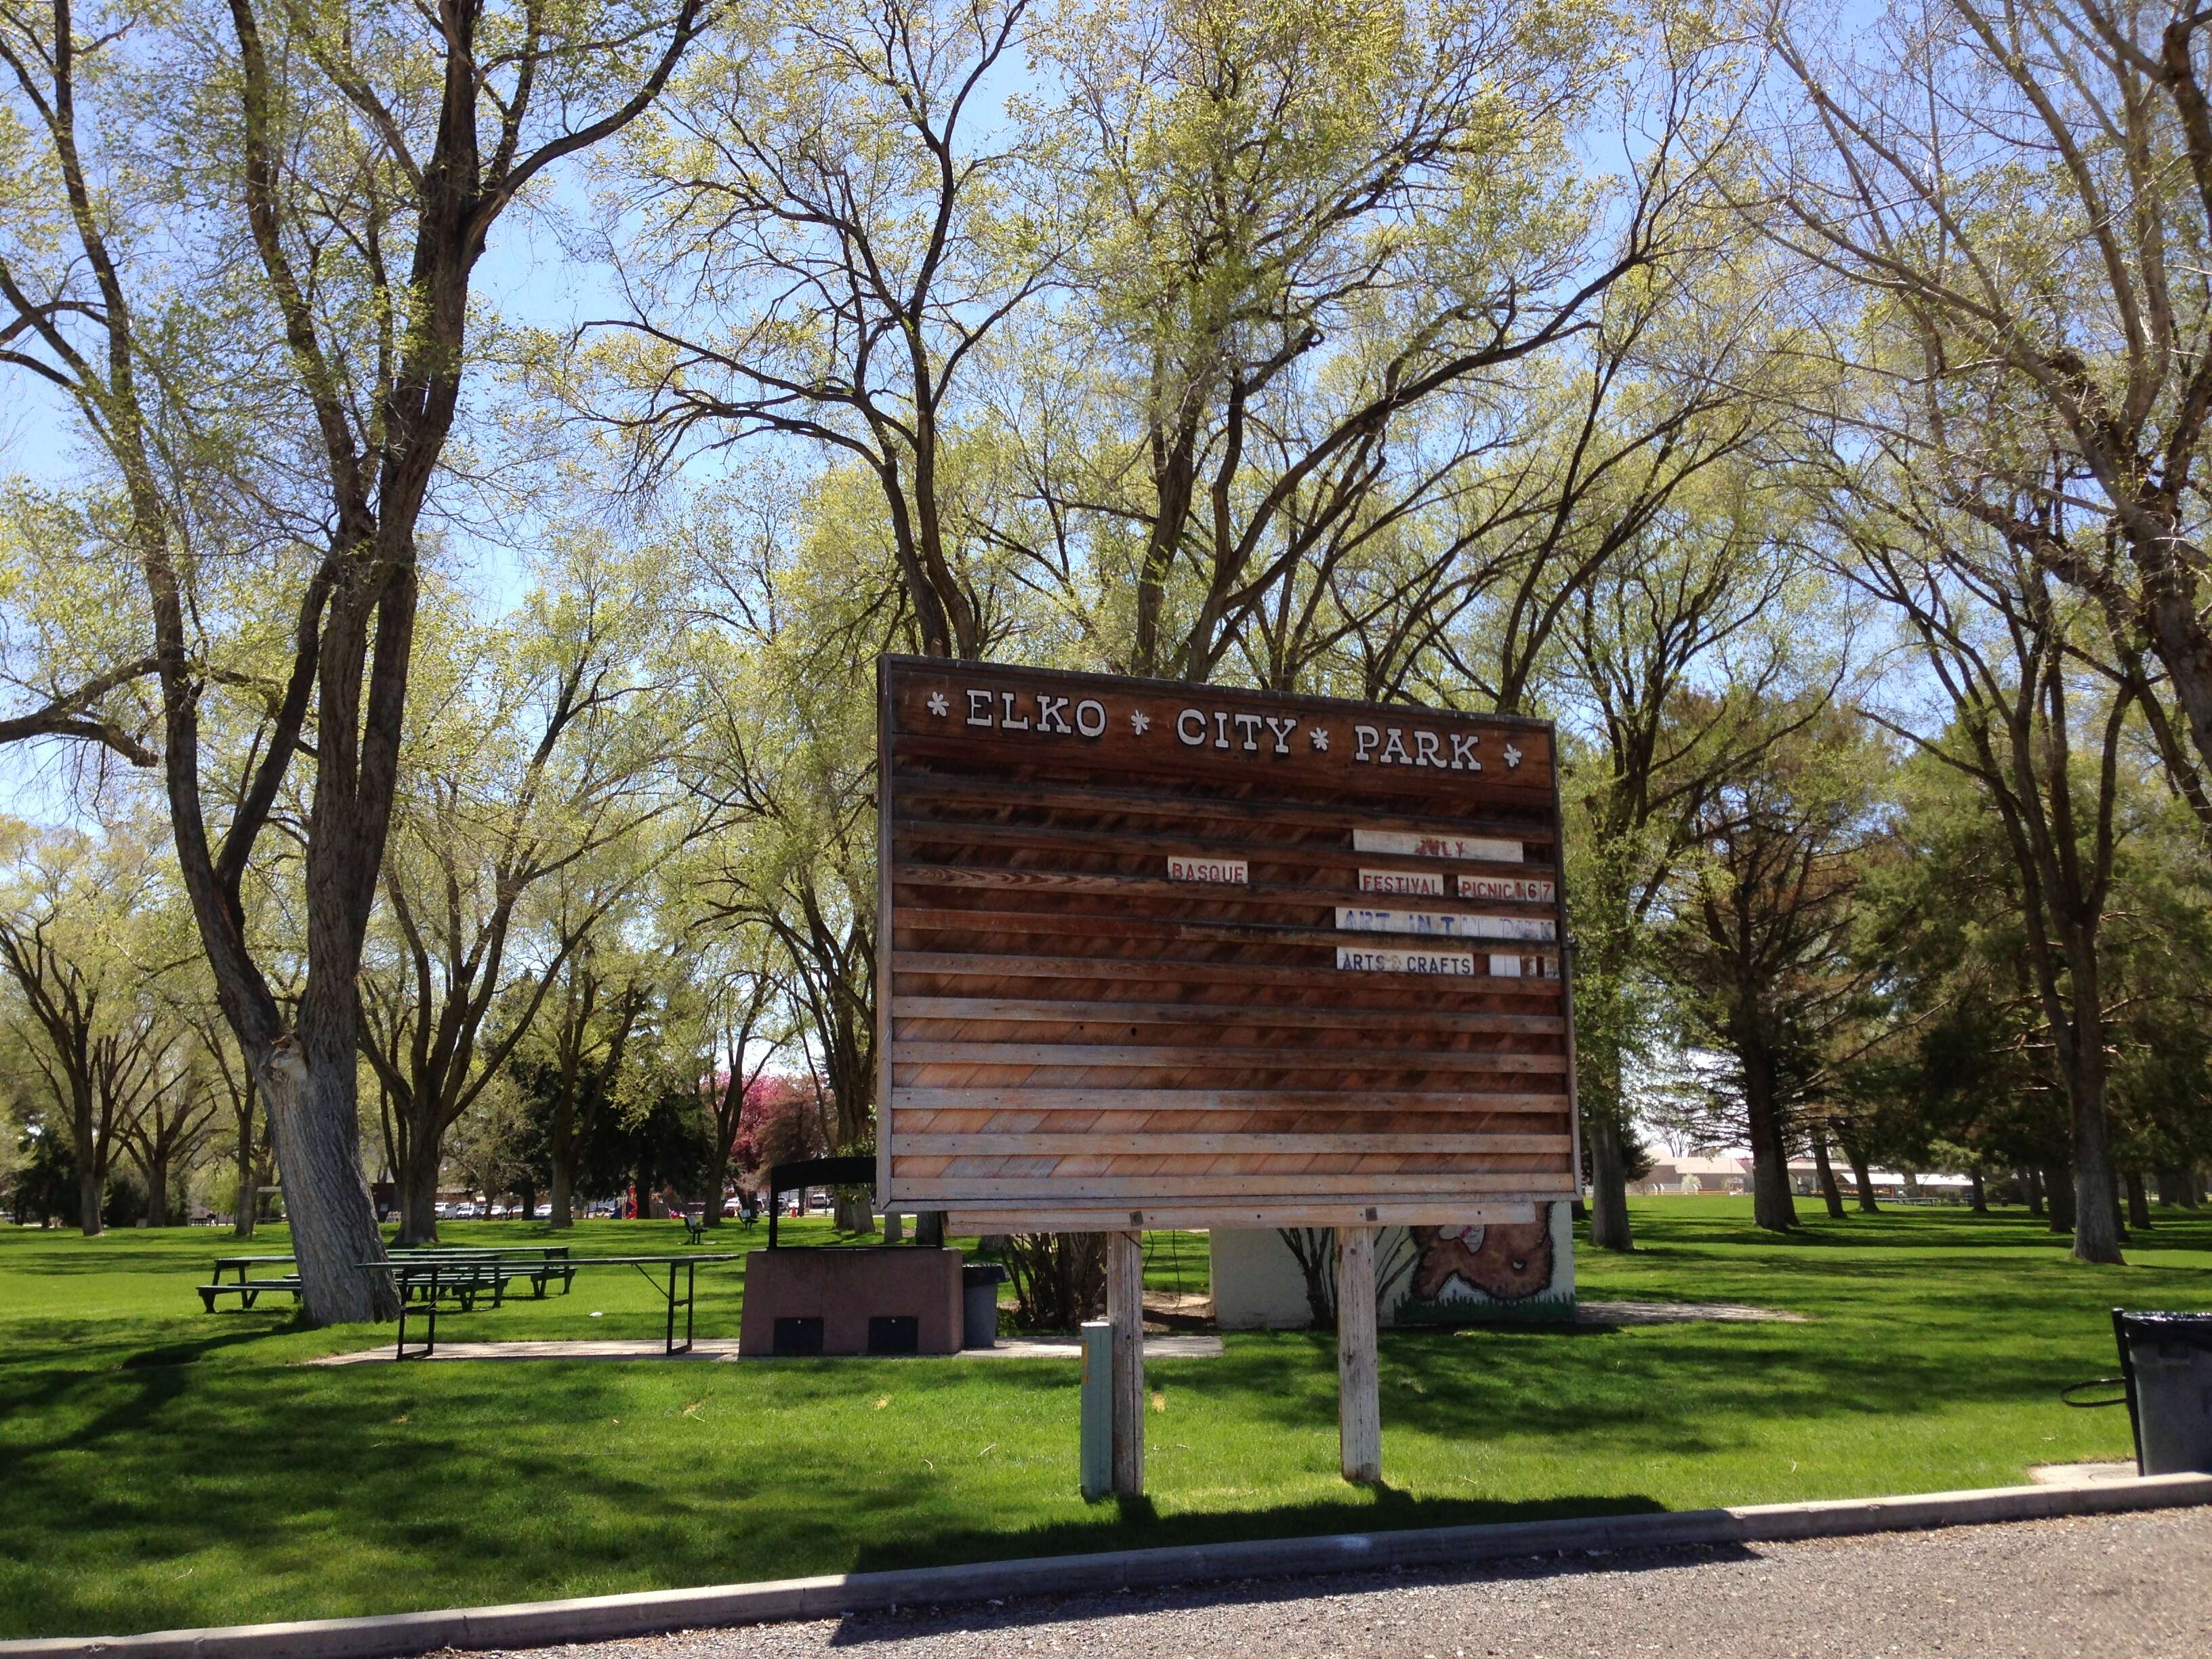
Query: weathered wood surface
x=1359, y=1390
x=1072, y=1029
x=1125, y=1312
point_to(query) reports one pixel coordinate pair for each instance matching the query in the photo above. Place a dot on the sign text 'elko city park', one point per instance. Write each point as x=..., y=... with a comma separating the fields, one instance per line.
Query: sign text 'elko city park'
x=1215, y=956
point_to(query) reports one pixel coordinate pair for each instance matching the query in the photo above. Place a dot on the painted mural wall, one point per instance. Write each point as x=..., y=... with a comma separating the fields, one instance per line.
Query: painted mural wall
x=1285, y=1279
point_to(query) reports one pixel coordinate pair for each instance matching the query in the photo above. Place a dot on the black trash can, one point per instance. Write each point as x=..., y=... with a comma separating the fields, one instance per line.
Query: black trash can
x=2166, y=1360
x=979, y=1310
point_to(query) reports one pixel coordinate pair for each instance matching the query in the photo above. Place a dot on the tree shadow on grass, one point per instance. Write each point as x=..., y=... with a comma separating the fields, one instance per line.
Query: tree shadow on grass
x=1673, y=1391
x=1663, y=1236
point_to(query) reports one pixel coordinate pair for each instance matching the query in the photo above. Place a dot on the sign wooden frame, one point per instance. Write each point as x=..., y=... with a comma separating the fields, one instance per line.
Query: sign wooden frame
x=1152, y=954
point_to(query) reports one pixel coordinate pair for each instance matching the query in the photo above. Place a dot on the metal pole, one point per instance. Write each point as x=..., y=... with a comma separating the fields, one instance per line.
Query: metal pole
x=1097, y=1438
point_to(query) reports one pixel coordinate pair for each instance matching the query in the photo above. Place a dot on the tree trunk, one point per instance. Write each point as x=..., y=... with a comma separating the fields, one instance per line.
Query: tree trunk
x=249, y=1199
x=718, y=1180
x=418, y=1191
x=157, y=1192
x=1771, y=1206
x=1862, y=1173
x=2031, y=1179
x=334, y=1232
x=2138, y=1202
x=89, y=1196
x=2171, y=1182
x=853, y=1212
x=1609, y=1226
x=2059, y=1193
x=2096, y=1193
x=1830, y=1194
x=1981, y=1197
x=561, y=1154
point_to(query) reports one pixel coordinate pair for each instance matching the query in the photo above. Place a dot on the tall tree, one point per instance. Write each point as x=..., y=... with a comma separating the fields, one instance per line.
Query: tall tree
x=1308, y=265
x=1708, y=602
x=542, y=748
x=1761, y=945
x=2037, y=720
x=2025, y=191
x=72, y=929
x=359, y=161
x=743, y=1029
x=817, y=246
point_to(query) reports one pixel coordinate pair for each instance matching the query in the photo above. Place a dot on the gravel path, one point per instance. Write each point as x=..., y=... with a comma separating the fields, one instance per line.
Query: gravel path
x=2123, y=1587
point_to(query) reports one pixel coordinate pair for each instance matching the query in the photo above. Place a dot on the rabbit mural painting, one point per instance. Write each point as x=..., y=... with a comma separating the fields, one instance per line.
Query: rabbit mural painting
x=1283, y=1278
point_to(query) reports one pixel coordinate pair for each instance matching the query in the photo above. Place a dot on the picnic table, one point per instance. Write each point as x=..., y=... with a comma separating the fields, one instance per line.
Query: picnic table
x=424, y=1283
x=468, y=1272
x=247, y=1289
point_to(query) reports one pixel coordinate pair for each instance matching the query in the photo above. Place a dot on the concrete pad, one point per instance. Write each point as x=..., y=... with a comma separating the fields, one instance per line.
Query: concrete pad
x=721, y=1348
x=651, y=1348
x=2081, y=1475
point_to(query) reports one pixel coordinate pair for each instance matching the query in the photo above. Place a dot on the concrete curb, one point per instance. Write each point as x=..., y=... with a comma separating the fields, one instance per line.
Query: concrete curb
x=602, y=1618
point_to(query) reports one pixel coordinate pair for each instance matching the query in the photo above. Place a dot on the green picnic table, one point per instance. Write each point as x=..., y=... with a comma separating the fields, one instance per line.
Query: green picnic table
x=471, y=1271
x=247, y=1289
x=426, y=1283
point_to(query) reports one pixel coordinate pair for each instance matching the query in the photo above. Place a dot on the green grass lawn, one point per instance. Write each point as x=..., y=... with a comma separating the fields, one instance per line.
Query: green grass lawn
x=161, y=1466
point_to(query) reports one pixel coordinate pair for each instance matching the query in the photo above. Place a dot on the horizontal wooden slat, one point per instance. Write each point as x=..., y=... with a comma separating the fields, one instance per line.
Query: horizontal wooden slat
x=1162, y=803
x=1410, y=789
x=925, y=919
x=1214, y=1058
x=1159, y=969
x=1353, y=1104
x=1486, y=1211
x=1182, y=1013
x=1347, y=1184
x=1334, y=853
x=1083, y=1143
x=1002, y=879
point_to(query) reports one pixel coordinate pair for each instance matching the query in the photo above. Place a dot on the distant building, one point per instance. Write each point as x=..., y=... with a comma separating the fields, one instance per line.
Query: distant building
x=1907, y=1188
x=1692, y=1176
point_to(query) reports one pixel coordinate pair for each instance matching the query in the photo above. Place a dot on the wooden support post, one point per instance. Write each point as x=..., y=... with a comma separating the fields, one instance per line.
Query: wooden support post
x=1359, y=1408
x=1125, y=1312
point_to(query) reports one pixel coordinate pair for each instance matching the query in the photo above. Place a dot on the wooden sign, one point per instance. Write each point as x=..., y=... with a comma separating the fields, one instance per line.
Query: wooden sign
x=1158, y=955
